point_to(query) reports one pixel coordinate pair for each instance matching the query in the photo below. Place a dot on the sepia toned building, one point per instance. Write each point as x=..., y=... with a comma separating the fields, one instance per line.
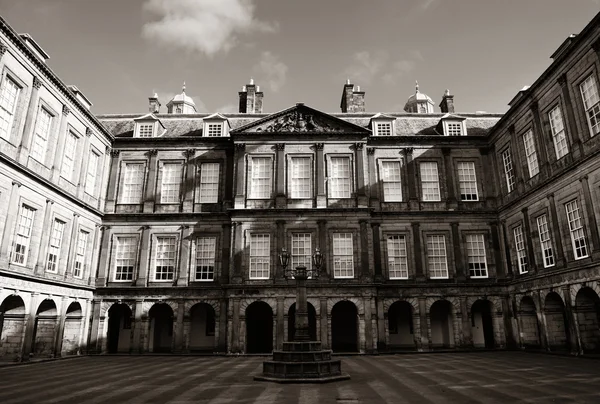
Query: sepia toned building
x=161, y=231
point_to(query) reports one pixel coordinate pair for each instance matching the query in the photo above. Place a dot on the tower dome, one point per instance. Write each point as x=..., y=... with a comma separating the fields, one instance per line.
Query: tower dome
x=419, y=103
x=181, y=103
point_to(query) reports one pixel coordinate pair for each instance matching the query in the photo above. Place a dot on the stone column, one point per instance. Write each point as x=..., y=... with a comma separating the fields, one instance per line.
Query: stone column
x=238, y=251
x=83, y=163
x=571, y=125
x=178, y=337
x=556, y=236
x=23, y=149
x=185, y=249
x=60, y=144
x=150, y=194
x=539, y=139
x=369, y=331
x=508, y=260
x=143, y=259
x=321, y=194
x=114, y=177
x=240, y=189
x=136, y=338
x=281, y=194
x=189, y=186
x=3, y=49
x=519, y=164
x=222, y=343
x=419, y=274
x=235, y=327
x=12, y=215
x=494, y=232
x=59, y=331
x=541, y=320
x=104, y=260
x=413, y=196
x=94, y=340
x=378, y=270
x=40, y=265
x=322, y=230
x=532, y=267
x=279, y=244
x=72, y=247
x=226, y=251
x=324, y=324
x=451, y=200
x=459, y=264
x=510, y=317
x=381, y=341
x=280, y=323
x=573, y=332
x=591, y=214
x=229, y=176
x=30, y=319
x=489, y=176
x=423, y=320
x=365, y=275
x=361, y=192
x=373, y=184
x=467, y=337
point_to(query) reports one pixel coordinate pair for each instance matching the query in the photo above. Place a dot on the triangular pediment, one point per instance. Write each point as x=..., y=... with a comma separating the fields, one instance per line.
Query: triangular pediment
x=301, y=119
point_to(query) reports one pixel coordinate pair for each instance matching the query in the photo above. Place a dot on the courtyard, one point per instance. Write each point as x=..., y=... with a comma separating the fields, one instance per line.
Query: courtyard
x=479, y=377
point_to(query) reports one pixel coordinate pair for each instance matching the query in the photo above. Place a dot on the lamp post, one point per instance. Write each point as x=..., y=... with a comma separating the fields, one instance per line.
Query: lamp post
x=301, y=274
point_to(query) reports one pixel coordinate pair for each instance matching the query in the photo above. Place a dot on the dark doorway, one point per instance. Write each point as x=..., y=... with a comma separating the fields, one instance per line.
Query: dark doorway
x=202, y=328
x=259, y=328
x=530, y=329
x=312, y=322
x=344, y=327
x=482, y=325
x=442, y=327
x=556, y=322
x=587, y=307
x=119, y=328
x=400, y=325
x=161, y=327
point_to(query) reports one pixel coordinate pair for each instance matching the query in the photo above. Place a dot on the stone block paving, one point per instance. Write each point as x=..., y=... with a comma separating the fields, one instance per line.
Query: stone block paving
x=484, y=377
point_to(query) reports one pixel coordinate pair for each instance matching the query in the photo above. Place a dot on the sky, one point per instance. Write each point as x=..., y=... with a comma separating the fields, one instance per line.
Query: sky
x=119, y=52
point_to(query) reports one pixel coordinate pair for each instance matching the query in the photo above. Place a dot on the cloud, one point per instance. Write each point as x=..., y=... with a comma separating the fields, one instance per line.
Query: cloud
x=228, y=108
x=399, y=69
x=272, y=70
x=367, y=66
x=205, y=26
x=425, y=4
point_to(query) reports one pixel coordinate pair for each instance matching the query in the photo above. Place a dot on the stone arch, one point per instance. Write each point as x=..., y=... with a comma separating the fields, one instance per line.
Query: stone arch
x=107, y=304
x=442, y=315
x=400, y=324
x=201, y=327
x=12, y=324
x=44, y=329
x=454, y=302
x=481, y=313
x=345, y=326
x=244, y=303
x=72, y=328
x=556, y=321
x=389, y=301
x=359, y=303
x=587, y=310
x=215, y=303
x=288, y=302
x=594, y=285
x=528, y=322
x=118, y=327
x=161, y=324
x=259, y=319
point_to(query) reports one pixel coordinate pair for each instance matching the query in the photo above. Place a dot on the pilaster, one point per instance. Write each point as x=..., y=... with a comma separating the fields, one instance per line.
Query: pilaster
x=556, y=236
x=451, y=200
x=240, y=191
x=413, y=198
x=419, y=274
x=151, y=178
x=321, y=195
x=113, y=181
x=531, y=264
x=378, y=270
x=10, y=223
x=591, y=215
x=40, y=264
x=459, y=264
x=189, y=185
x=365, y=275
x=281, y=197
x=60, y=144
x=23, y=149
x=143, y=261
x=361, y=194
x=373, y=184
x=575, y=144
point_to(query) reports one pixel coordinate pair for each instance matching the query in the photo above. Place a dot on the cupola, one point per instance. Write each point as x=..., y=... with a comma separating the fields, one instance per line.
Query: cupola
x=181, y=104
x=419, y=102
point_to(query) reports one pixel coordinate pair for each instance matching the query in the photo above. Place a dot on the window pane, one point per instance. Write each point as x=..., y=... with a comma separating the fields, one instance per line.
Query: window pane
x=467, y=182
x=301, y=178
x=578, y=239
x=340, y=180
x=508, y=170
x=166, y=255
x=215, y=129
x=343, y=259
x=41, y=133
x=9, y=93
x=454, y=128
x=301, y=250
x=261, y=178
x=384, y=129
x=391, y=178
x=125, y=259
x=397, y=257
x=545, y=243
x=54, y=248
x=92, y=169
x=558, y=133
x=430, y=182
x=531, y=154
x=68, y=163
x=133, y=183
x=145, y=129
x=80, y=255
x=209, y=182
x=23, y=236
x=436, y=255
x=171, y=183
x=476, y=256
x=591, y=102
x=260, y=256
x=205, y=258
x=520, y=246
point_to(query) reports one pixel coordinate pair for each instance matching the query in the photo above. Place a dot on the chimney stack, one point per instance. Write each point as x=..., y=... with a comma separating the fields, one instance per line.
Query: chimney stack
x=154, y=104
x=251, y=99
x=447, y=104
x=353, y=100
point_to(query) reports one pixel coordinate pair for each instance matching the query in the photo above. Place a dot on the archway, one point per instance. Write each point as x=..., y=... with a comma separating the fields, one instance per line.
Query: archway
x=71, y=329
x=161, y=328
x=344, y=327
x=12, y=325
x=259, y=328
x=400, y=325
x=556, y=322
x=312, y=322
x=442, y=329
x=482, y=326
x=530, y=328
x=119, y=328
x=202, y=328
x=44, y=329
x=588, y=316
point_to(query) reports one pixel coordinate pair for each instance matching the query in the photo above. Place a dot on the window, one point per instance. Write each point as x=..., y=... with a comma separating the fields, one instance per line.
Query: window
x=125, y=258
x=430, y=181
x=508, y=170
x=55, y=242
x=23, y=236
x=133, y=183
x=301, y=250
x=260, y=256
x=383, y=128
x=340, y=177
x=170, y=183
x=576, y=228
x=532, y=161
x=41, y=133
x=520, y=246
x=9, y=93
x=215, y=129
x=205, y=258
x=591, y=103
x=343, y=260
x=391, y=178
x=397, y=257
x=82, y=240
x=467, y=182
x=92, y=170
x=166, y=255
x=301, y=187
x=454, y=129
x=145, y=129
x=545, y=243
x=476, y=256
x=558, y=132
x=260, y=186
x=209, y=182
x=436, y=255
x=68, y=163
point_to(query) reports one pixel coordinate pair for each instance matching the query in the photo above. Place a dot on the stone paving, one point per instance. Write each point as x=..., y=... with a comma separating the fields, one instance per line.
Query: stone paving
x=483, y=377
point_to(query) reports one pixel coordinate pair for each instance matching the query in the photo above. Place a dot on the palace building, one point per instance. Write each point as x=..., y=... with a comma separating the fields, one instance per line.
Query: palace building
x=161, y=231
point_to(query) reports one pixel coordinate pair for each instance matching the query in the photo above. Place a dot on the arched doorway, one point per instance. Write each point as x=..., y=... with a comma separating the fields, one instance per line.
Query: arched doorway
x=44, y=329
x=12, y=325
x=312, y=322
x=587, y=305
x=259, y=328
x=161, y=328
x=482, y=326
x=344, y=327
x=119, y=328
x=530, y=328
x=442, y=328
x=202, y=328
x=71, y=330
x=556, y=322
x=400, y=325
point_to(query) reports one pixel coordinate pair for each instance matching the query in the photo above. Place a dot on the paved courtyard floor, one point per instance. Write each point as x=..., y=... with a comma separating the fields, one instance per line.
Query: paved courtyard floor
x=484, y=377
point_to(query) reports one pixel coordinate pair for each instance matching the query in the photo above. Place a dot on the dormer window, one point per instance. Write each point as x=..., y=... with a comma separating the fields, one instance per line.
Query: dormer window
x=215, y=129
x=384, y=128
x=382, y=125
x=452, y=125
x=454, y=129
x=148, y=126
x=145, y=130
x=216, y=125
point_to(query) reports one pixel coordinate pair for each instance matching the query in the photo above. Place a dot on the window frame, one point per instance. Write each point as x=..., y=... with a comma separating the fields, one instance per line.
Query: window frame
x=201, y=183
x=255, y=259
x=474, y=185
x=140, y=125
x=156, y=244
x=8, y=75
x=383, y=179
x=403, y=258
x=70, y=175
x=471, y=258
x=436, y=182
x=377, y=127
x=210, y=126
x=581, y=229
x=91, y=182
x=429, y=256
x=508, y=169
x=558, y=137
x=41, y=158
x=521, y=249
x=533, y=164
x=81, y=257
x=133, y=257
x=290, y=175
x=176, y=186
x=346, y=255
x=545, y=239
x=448, y=131
x=251, y=185
x=595, y=108
x=330, y=179
x=123, y=184
x=55, y=245
x=212, y=257
x=23, y=206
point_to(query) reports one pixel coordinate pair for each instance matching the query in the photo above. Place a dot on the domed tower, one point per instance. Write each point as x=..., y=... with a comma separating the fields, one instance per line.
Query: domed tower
x=419, y=103
x=181, y=104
